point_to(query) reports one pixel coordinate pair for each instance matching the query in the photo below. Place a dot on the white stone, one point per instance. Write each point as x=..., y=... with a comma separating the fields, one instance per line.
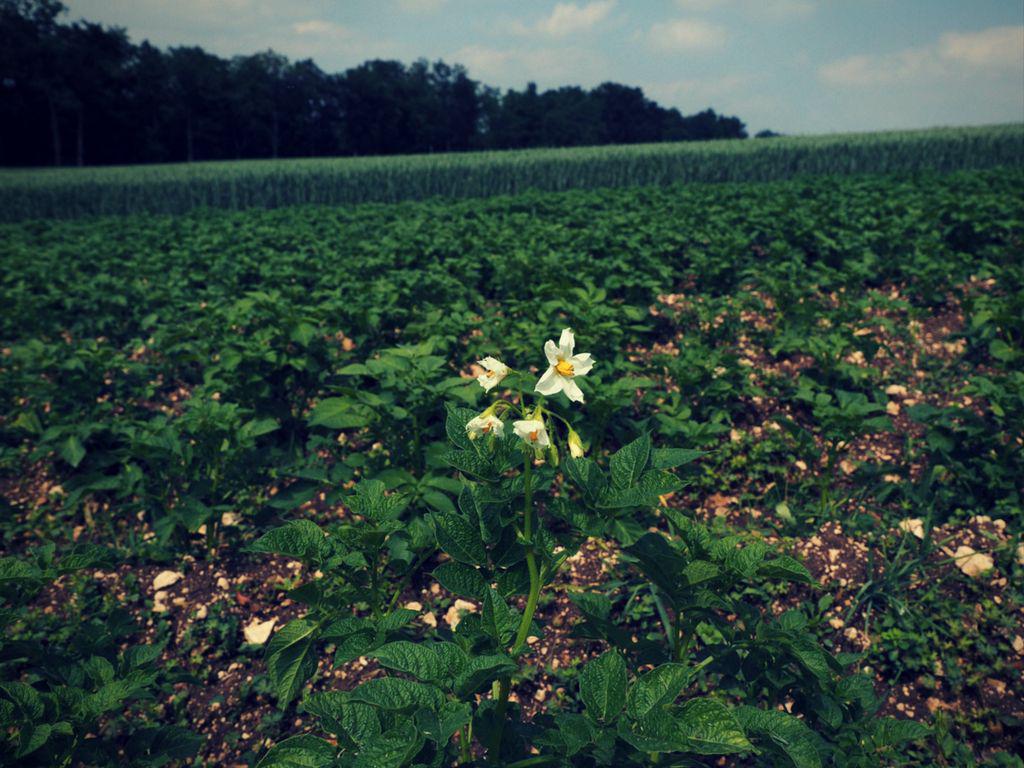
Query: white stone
x=258, y=632
x=164, y=579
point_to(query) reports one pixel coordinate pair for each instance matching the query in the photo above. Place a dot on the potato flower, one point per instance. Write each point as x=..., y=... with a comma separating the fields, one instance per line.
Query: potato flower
x=563, y=368
x=483, y=425
x=576, y=449
x=494, y=372
x=533, y=432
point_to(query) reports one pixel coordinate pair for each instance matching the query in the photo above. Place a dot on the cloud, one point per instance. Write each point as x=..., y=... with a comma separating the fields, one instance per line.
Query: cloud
x=319, y=27
x=992, y=47
x=679, y=35
x=567, y=19
x=955, y=55
x=777, y=8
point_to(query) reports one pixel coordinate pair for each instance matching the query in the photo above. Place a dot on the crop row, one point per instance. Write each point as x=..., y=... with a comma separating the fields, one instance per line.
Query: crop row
x=69, y=193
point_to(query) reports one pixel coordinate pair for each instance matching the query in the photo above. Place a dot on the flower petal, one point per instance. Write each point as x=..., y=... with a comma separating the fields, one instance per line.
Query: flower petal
x=551, y=352
x=492, y=364
x=572, y=390
x=566, y=344
x=581, y=364
x=550, y=383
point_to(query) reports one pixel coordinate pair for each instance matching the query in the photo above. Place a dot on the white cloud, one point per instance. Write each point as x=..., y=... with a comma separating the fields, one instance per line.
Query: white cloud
x=992, y=47
x=566, y=19
x=319, y=27
x=865, y=70
x=956, y=55
x=421, y=6
x=776, y=8
x=679, y=35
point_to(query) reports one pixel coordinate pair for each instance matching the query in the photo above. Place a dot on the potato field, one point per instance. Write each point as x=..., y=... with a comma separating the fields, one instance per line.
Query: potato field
x=674, y=470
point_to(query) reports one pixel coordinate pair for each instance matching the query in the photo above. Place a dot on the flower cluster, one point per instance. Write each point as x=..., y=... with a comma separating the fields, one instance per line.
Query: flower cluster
x=564, y=366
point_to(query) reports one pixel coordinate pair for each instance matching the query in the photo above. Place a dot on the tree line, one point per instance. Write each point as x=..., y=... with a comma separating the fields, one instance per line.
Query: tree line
x=83, y=93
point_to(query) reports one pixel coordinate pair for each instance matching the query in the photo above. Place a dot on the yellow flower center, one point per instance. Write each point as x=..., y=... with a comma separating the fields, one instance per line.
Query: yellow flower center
x=489, y=374
x=564, y=368
x=534, y=435
x=486, y=427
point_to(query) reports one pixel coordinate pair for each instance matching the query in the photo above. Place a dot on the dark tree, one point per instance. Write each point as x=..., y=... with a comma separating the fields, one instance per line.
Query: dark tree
x=83, y=93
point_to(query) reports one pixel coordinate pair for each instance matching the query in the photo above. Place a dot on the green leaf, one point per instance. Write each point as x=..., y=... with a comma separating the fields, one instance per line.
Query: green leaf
x=25, y=697
x=659, y=561
x=370, y=500
x=303, y=751
x=575, y=732
x=392, y=749
x=746, y=560
x=585, y=475
x=301, y=539
x=453, y=659
x=629, y=462
x=710, y=728
x=784, y=731
x=461, y=579
x=141, y=655
x=72, y=451
x=890, y=731
x=667, y=458
x=14, y=569
x=644, y=493
x=258, y=427
x=455, y=425
x=357, y=721
x=603, y=686
x=460, y=539
x=496, y=619
x=699, y=571
x=340, y=413
x=469, y=462
x=397, y=619
x=395, y=694
x=786, y=567
x=657, y=688
x=291, y=659
x=32, y=738
x=481, y=671
x=87, y=556
x=416, y=659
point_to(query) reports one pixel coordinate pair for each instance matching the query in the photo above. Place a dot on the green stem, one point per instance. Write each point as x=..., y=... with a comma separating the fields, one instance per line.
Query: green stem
x=671, y=631
x=531, y=560
x=464, y=755
x=505, y=684
x=375, y=586
x=211, y=536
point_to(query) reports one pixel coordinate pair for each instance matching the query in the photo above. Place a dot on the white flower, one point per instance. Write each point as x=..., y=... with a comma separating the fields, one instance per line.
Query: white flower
x=485, y=424
x=564, y=367
x=532, y=431
x=494, y=372
x=576, y=449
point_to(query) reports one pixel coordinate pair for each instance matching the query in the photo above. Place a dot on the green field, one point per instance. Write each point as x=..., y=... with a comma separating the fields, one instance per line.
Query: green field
x=795, y=537
x=72, y=192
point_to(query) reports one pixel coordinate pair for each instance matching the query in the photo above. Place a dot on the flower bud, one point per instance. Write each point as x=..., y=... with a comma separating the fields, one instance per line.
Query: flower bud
x=576, y=449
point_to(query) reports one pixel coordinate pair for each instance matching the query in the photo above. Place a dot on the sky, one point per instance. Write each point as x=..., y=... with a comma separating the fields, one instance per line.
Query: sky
x=793, y=66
